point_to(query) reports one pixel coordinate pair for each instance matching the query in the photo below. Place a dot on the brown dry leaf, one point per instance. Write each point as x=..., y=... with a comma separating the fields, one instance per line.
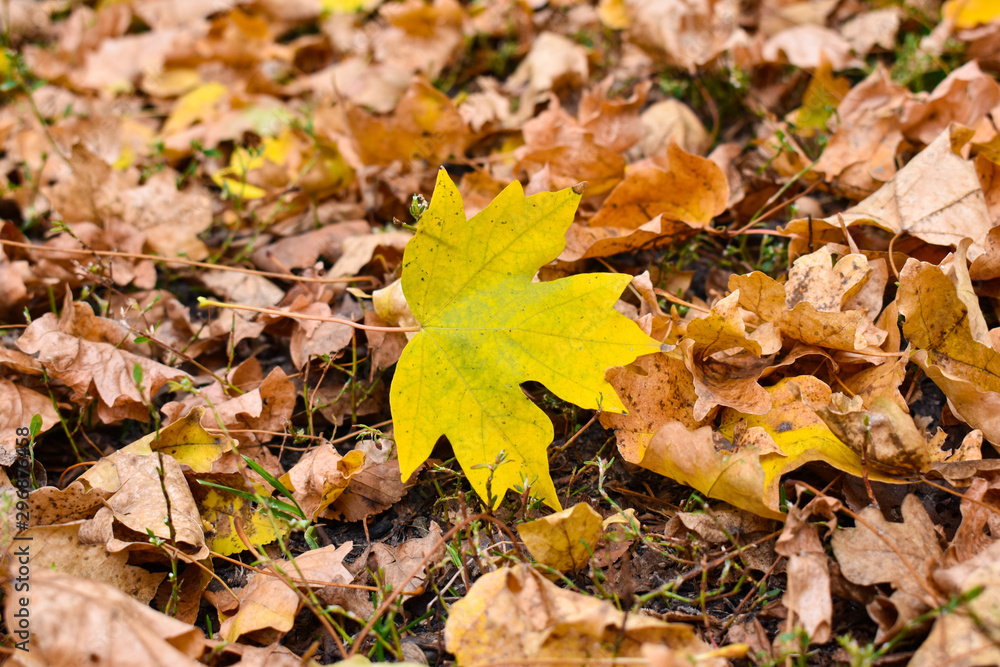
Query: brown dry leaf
x=21, y=404
x=666, y=120
x=565, y=540
x=657, y=389
x=807, y=46
x=943, y=328
x=936, y=197
x=421, y=37
x=808, y=308
x=58, y=548
x=553, y=61
x=320, y=476
x=808, y=595
x=965, y=96
x=877, y=27
x=726, y=378
x=868, y=558
x=313, y=338
x=138, y=505
x=268, y=604
x=90, y=366
x=303, y=250
x=397, y=563
x=980, y=525
x=883, y=431
x=520, y=615
x=690, y=35
x=374, y=489
x=425, y=125
x=242, y=288
x=861, y=154
x=357, y=251
x=115, y=631
x=966, y=637
x=662, y=200
x=559, y=146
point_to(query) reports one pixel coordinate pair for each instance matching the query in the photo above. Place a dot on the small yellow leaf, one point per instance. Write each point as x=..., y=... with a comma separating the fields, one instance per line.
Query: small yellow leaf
x=219, y=511
x=192, y=107
x=613, y=14
x=186, y=441
x=970, y=13
x=564, y=540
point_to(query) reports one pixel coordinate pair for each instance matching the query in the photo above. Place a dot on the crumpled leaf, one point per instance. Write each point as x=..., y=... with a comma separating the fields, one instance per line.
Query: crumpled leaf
x=396, y=563
x=520, y=615
x=186, y=441
x=809, y=307
x=936, y=197
x=486, y=329
x=867, y=558
x=564, y=540
x=320, y=476
x=268, y=604
x=808, y=595
x=722, y=378
x=62, y=635
x=96, y=365
x=663, y=200
x=945, y=325
x=966, y=637
x=375, y=488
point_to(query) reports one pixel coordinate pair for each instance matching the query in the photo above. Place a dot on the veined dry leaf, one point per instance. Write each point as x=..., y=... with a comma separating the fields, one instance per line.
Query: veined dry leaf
x=519, y=614
x=103, y=368
x=396, y=563
x=943, y=328
x=657, y=389
x=664, y=199
x=374, y=489
x=58, y=548
x=808, y=595
x=866, y=557
x=268, y=604
x=965, y=97
x=21, y=404
x=486, y=328
x=808, y=307
x=728, y=379
x=936, y=197
x=564, y=540
x=320, y=476
x=966, y=637
x=138, y=505
x=115, y=631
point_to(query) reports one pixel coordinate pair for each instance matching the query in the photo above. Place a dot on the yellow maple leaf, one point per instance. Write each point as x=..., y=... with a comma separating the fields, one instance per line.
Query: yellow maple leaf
x=486, y=328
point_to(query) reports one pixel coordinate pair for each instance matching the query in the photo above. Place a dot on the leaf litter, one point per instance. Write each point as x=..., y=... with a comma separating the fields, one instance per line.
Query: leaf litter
x=720, y=278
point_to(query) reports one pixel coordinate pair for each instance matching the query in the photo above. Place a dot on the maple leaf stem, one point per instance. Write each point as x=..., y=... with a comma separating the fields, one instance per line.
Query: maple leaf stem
x=184, y=262
x=204, y=303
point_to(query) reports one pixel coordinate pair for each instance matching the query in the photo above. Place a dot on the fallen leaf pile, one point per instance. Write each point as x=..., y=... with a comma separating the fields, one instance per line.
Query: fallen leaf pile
x=314, y=315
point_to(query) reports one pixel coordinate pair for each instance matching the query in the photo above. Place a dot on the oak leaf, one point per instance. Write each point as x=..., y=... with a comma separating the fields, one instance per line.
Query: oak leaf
x=486, y=328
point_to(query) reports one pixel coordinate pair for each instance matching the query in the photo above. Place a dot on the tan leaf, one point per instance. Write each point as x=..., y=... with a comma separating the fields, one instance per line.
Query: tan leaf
x=101, y=367
x=939, y=324
x=397, y=563
x=808, y=595
x=320, y=476
x=520, y=615
x=664, y=199
x=115, y=631
x=374, y=489
x=966, y=637
x=268, y=604
x=20, y=405
x=58, y=548
x=564, y=540
x=656, y=390
x=936, y=197
x=964, y=97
